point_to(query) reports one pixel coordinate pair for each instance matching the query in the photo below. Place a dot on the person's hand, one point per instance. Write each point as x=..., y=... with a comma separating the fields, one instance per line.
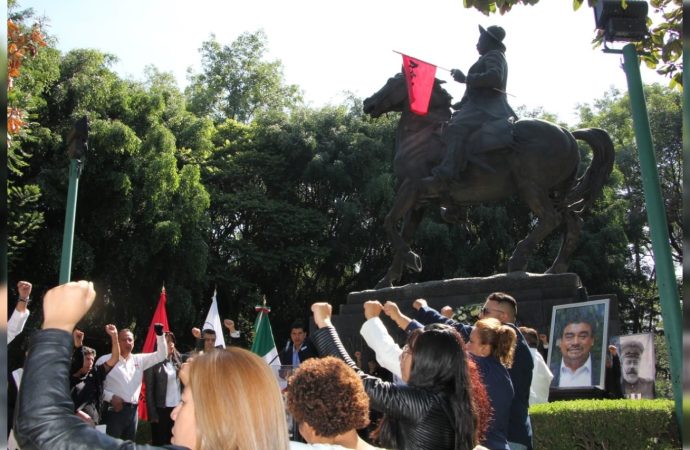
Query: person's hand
x=391, y=309
x=196, y=333
x=544, y=339
x=24, y=289
x=372, y=308
x=230, y=325
x=117, y=403
x=85, y=417
x=158, y=329
x=419, y=304
x=322, y=314
x=358, y=354
x=111, y=330
x=65, y=305
x=458, y=75
x=613, y=350
x=78, y=337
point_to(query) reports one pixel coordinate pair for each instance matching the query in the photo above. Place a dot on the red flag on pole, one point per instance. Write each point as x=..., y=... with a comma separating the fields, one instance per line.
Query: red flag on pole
x=159, y=316
x=420, y=82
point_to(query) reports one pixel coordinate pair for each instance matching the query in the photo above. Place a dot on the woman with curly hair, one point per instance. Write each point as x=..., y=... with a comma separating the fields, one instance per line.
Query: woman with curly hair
x=436, y=409
x=328, y=401
x=492, y=346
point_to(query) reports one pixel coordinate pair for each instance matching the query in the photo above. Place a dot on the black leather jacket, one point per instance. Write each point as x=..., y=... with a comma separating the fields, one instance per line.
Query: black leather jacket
x=423, y=417
x=45, y=413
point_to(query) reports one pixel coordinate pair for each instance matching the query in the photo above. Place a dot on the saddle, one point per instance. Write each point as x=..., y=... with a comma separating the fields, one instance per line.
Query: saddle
x=492, y=135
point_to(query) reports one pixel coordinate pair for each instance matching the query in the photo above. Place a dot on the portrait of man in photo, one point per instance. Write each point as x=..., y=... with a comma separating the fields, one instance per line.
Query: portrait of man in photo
x=578, y=340
x=637, y=364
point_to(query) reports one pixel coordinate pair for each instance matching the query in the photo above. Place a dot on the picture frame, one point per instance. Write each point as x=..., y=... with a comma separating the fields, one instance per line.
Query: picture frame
x=580, y=332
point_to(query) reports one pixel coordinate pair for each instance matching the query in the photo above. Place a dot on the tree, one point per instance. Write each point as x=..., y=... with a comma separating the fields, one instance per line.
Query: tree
x=236, y=83
x=638, y=295
x=25, y=46
x=661, y=49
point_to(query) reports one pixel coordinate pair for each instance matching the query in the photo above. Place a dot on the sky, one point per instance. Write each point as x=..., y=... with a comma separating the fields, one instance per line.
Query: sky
x=332, y=49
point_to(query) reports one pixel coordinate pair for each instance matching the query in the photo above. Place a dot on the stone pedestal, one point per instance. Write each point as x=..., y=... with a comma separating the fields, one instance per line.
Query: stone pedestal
x=536, y=294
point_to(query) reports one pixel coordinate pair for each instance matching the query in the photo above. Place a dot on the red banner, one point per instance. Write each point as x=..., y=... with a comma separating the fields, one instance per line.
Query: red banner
x=159, y=316
x=420, y=82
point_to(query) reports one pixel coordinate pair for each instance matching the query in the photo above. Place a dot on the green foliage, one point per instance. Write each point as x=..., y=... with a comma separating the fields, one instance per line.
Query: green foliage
x=236, y=83
x=605, y=424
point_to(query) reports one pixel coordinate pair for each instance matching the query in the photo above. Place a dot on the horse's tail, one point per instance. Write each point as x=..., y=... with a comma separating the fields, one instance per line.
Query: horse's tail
x=589, y=185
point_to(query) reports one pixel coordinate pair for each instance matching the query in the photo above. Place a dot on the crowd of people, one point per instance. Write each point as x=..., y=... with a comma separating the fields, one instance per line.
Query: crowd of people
x=453, y=385
x=451, y=390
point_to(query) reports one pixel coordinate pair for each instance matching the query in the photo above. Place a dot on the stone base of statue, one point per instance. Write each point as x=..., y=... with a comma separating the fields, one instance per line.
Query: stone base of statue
x=536, y=295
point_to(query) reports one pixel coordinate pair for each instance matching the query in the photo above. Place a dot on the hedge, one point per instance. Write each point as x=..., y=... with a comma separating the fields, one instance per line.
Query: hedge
x=605, y=425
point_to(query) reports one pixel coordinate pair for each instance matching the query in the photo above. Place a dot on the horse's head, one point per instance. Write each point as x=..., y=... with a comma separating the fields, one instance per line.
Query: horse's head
x=391, y=97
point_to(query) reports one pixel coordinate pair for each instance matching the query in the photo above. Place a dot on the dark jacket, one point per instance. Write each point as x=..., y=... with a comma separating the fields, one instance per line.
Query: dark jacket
x=45, y=412
x=520, y=426
x=595, y=379
x=499, y=388
x=87, y=390
x=486, y=85
x=424, y=417
x=305, y=352
x=156, y=380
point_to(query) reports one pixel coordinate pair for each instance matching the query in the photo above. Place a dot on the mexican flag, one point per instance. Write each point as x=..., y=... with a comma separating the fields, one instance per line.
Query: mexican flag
x=263, y=344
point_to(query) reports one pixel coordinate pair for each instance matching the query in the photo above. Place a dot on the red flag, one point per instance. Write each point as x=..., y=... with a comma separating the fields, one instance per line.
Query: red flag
x=159, y=316
x=420, y=82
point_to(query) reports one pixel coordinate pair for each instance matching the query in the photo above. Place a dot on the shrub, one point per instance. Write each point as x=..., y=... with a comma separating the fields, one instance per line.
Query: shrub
x=605, y=425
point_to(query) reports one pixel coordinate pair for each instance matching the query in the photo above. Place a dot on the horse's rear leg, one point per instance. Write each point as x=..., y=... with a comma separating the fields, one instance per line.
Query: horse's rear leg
x=572, y=234
x=547, y=220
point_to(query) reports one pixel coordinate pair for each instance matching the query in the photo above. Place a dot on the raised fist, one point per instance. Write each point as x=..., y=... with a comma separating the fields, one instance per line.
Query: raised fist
x=111, y=330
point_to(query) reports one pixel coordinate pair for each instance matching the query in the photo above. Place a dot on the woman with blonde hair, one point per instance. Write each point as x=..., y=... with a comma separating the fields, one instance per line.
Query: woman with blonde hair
x=231, y=399
x=492, y=346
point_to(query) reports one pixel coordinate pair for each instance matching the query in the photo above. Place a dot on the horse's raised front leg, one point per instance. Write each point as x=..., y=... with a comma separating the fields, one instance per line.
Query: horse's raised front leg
x=404, y=208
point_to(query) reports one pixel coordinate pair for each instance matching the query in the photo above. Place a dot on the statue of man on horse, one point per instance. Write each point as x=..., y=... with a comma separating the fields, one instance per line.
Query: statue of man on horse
x=484, y=119
x=531, y=159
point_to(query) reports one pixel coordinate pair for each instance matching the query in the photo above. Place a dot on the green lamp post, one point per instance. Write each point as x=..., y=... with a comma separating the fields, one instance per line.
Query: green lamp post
x=626, y=22
x=77, y=145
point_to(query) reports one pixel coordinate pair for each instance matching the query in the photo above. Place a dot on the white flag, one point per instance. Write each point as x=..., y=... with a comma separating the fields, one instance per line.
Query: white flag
x=213, y=322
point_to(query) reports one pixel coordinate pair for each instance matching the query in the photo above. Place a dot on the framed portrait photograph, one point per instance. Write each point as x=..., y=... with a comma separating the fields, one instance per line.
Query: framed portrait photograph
x=577, y=345
x=638, y=364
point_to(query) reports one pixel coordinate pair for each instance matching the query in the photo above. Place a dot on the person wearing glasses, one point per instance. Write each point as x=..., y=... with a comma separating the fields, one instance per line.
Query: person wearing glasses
x=501, y=306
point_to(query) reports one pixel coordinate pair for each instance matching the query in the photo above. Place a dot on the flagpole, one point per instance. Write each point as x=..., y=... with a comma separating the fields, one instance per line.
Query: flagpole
x=421, y=60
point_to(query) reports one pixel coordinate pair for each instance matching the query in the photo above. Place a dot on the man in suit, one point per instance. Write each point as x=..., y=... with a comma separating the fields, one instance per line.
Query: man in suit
x=576, y=368
x=484, y=104
x=299, y=348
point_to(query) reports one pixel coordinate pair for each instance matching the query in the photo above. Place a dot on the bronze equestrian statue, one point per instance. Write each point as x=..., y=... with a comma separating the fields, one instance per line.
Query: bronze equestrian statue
x=539, y=164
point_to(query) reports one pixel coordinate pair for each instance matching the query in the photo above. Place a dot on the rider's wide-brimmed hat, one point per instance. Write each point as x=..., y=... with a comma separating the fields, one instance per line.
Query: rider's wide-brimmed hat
x=494, y=32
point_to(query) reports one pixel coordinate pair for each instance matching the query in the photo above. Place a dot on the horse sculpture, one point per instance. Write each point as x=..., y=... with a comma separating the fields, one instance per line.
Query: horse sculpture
x=540, y=167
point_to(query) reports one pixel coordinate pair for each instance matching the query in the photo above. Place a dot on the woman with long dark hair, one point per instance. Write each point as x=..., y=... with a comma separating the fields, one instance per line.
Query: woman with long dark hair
x=436, y=409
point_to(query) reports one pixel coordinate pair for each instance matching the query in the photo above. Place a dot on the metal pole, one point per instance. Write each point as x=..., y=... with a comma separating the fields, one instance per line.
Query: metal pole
x=75, y=166
x=665, y=274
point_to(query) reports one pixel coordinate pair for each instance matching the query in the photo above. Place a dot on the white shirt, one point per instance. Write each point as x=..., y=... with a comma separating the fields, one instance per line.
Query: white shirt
x=581, y=377
x=541, y=379
x=387, y=351
x=172, y=388
x=124, y=380
x=16, y=323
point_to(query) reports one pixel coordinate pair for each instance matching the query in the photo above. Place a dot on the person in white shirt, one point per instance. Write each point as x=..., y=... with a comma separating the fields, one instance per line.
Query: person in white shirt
x=541, y=375
x=123, y=383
